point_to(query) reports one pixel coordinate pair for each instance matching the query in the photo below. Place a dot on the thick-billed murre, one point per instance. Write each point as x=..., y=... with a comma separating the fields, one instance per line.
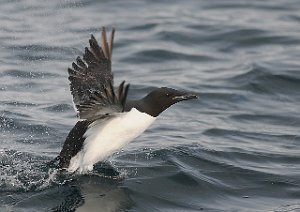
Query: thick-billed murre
x=108, y=119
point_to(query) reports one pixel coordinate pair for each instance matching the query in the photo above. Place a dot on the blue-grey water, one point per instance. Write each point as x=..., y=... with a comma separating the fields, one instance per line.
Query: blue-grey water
x=236, y=148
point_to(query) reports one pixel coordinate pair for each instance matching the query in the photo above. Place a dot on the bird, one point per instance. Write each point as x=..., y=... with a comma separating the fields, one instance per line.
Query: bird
x=107, y=119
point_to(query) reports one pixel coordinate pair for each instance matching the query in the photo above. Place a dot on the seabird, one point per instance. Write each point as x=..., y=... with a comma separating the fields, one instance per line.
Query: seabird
x=108, y=120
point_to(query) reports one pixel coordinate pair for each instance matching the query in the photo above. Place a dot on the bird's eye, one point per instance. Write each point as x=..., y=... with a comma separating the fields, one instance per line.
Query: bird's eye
x=167, y=95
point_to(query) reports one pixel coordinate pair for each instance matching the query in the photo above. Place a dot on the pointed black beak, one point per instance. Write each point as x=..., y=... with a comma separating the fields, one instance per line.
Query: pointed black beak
x=185, y=96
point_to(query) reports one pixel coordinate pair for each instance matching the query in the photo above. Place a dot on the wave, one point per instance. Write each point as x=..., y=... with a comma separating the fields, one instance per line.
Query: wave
x=208, y=174
x=27, y=74
x=41, y=52
x=159, y=55
x=262, y=79
x=59, y=108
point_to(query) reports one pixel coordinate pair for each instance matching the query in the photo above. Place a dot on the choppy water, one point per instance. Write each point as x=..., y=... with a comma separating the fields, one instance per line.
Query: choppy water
x=236, y=148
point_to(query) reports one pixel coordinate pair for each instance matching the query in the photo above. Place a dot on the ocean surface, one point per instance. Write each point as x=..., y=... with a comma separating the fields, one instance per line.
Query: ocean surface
x=235, y=148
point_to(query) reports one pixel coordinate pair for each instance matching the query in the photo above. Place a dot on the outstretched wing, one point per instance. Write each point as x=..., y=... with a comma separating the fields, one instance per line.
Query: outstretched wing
x=91, y=81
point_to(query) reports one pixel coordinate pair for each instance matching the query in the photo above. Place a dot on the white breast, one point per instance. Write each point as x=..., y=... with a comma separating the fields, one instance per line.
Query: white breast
x=104, y=137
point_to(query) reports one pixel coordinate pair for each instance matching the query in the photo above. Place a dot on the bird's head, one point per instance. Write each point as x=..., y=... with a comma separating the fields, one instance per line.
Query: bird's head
x=162, y=98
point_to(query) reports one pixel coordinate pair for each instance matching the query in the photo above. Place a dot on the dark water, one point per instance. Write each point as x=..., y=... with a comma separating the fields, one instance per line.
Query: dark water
x=236, y=148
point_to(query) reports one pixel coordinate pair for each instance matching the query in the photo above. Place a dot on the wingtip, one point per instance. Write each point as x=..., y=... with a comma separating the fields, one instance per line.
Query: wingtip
x=92, y=37
x=104, y=44
x=111, y=42
x=107, y=45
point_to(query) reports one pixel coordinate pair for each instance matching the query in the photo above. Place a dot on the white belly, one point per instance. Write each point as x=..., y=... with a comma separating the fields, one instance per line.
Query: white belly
x=103, y=138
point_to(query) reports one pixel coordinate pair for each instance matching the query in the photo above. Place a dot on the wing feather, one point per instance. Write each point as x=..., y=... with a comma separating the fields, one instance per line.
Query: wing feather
x=95, y=48
x=111, y=42
x=104, y=44
x=91, y=81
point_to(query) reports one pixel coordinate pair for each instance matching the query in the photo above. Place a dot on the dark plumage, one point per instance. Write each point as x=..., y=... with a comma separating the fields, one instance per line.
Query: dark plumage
x=73, y=143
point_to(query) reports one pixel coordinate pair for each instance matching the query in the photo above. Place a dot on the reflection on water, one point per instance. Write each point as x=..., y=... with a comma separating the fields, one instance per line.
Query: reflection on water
x=103, y=195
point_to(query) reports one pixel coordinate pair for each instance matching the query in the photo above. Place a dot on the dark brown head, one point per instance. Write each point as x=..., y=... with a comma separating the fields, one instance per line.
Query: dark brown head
x=160, y=99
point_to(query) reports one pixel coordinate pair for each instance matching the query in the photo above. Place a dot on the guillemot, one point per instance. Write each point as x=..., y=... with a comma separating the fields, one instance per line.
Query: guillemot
x=108, y=120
